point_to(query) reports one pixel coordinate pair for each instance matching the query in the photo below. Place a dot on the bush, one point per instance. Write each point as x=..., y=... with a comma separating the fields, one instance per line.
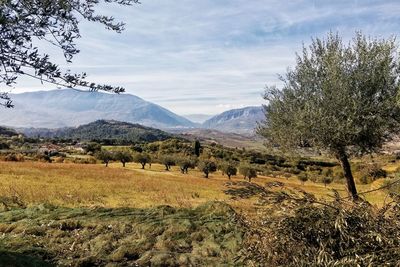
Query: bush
x=371, y=172
x=14, y=157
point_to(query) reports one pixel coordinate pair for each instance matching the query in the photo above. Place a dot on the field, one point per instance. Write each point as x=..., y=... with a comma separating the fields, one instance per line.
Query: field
x=88, y=185
x=64, y=214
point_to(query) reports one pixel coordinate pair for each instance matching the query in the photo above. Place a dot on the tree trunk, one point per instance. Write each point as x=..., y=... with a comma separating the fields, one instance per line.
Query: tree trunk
x=123, y=164
x=106, y=163
x=351, y=186
x=143, y=166
x=229, y=176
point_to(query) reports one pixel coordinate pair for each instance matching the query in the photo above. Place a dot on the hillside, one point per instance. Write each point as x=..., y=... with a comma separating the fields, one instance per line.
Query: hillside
x=227, y=139
x=241, y=121
x=66, y=108
x=103, y=130
x=7, y=131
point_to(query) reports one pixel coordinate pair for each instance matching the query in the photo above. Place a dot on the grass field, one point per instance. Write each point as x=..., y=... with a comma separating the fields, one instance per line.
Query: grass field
x=73, y=185
x=90, y=215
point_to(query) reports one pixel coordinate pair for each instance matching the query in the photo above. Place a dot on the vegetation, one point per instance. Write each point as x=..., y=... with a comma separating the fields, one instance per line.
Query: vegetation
x=142, y=158
x=229, y=169
x=339, y=98
x=247, y=171
x=123, y=156
x=168, y=161
x=24, y=24
x=105, y=156
x=207, y=167
x=45, y=235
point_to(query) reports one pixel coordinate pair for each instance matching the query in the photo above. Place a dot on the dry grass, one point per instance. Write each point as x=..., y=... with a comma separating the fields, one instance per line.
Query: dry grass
x=74, y=185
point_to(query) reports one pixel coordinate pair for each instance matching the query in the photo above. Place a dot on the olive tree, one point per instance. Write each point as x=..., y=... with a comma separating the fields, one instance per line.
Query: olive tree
x=25, y=25
x=105, y=156
x=123, y=156
x=339, y=97
x=207, y=167
x=142, y=158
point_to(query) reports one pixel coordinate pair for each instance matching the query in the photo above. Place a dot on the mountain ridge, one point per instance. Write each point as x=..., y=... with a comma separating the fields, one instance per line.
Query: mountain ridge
x=241, y=120
x=68, y=107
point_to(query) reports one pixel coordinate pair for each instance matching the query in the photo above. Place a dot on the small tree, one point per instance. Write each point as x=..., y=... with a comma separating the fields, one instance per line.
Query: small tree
x=229, y=169
x=247, y=171
x=303, y=178
x=142, y=158
x=327, y=180
x=207, y=167
x=168, y=161
x=186, y=163
x=123, y=156
x=105, y=156
x=341, y=98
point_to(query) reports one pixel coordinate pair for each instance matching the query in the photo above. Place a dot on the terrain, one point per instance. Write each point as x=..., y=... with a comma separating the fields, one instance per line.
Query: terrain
x=242, y=121
x=65, y=107
x=111, y=130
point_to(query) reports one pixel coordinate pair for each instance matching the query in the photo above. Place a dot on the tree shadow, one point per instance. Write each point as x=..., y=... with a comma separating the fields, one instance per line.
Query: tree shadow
x=17, y=259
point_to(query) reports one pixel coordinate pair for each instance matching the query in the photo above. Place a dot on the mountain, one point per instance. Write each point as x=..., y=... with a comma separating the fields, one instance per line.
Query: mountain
x=242, y=121
x=67, y=107
x=119, y=132
x=227, y=139
x=4, y=131
x=198, y=118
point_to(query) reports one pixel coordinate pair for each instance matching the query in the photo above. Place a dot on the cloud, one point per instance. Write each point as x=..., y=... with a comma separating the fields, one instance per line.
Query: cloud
x=207, y=56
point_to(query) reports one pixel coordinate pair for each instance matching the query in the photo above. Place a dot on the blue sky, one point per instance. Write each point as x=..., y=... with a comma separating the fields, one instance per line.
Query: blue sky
x=204, y=57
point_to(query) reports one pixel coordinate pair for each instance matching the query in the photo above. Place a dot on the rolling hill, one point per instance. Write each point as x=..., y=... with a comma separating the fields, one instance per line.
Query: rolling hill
x=120, y=132
x=67, y=107
x=242, y=121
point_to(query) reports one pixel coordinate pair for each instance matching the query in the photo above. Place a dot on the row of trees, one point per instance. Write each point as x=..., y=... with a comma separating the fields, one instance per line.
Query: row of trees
x=207, y=166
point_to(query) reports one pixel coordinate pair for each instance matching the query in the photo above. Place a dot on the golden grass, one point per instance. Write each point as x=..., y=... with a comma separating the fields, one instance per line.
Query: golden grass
x=93, y=184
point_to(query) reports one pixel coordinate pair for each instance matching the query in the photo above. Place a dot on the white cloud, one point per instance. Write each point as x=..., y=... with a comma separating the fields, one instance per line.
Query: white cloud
x=206, y=56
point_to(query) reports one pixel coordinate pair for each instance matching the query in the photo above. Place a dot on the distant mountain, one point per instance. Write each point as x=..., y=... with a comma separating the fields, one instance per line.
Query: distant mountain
x=227, y=139
x=4, y=131
x=198, y=118
x=120, y=132
x=67, y=107
x=242, y=121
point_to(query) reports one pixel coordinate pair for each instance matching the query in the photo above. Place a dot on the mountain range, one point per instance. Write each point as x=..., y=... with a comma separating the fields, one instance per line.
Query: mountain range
x=67, y=107
x=242, y=121
x=71, y=108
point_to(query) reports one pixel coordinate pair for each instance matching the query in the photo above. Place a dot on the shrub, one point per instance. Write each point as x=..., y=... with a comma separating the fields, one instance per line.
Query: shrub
x=14, y=157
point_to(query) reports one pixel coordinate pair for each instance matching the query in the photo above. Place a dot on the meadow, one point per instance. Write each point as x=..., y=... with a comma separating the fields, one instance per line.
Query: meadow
x=86, y=185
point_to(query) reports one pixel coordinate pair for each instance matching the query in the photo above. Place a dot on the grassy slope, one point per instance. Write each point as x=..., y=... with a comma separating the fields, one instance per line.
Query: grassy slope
x=209, y=235
x=112, y=215
x=74, y=185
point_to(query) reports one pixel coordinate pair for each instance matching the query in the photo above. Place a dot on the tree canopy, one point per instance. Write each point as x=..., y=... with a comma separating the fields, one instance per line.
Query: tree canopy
x=26, y=23
x=341, y=98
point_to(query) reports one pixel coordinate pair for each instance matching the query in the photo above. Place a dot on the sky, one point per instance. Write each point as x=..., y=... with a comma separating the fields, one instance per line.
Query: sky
x=208, y=56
